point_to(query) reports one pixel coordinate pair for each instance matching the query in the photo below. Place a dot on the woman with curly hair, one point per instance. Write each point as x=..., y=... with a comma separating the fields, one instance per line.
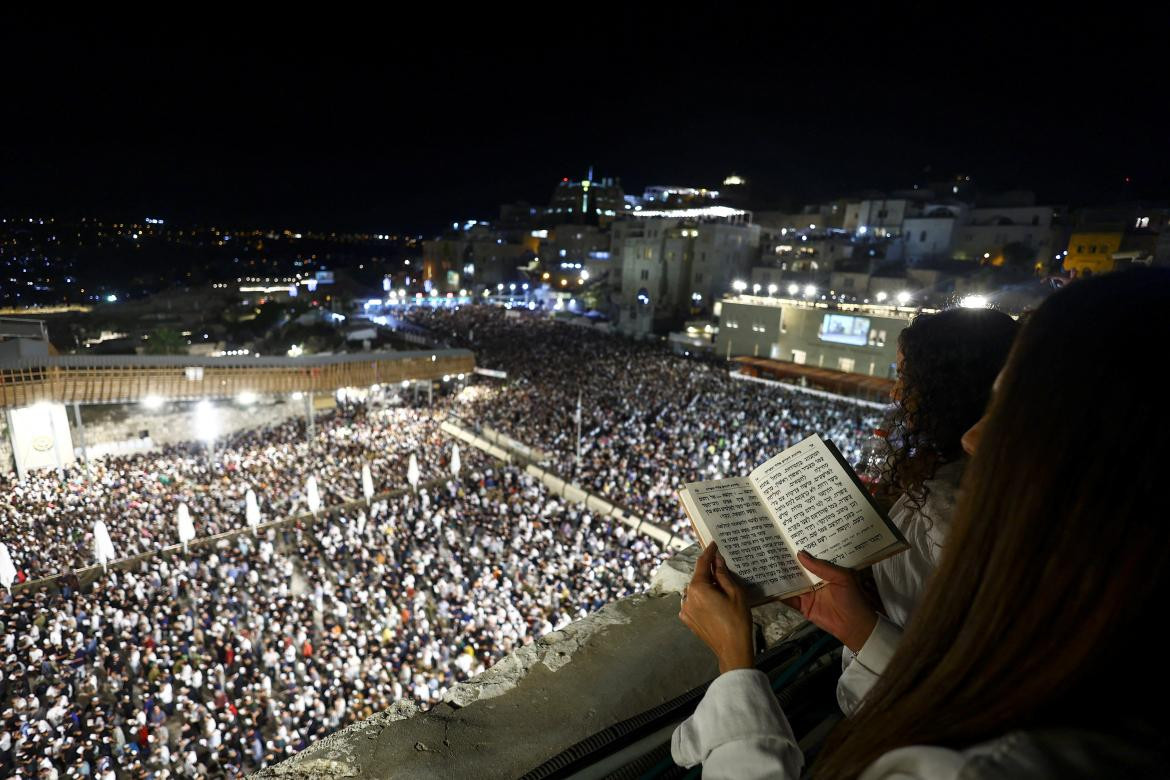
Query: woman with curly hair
x=947, y=363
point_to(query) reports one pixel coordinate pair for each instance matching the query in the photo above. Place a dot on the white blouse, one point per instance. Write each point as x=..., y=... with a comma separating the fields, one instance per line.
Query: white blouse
x=902, y=579
x=739, y=731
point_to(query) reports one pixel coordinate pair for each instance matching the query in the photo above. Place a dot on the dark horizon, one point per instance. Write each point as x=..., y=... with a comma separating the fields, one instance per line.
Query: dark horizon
x=380, y=134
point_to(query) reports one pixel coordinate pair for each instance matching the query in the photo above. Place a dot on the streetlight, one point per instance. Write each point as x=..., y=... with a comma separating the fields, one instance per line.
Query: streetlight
x=904, y=298
x=793, y=289
x=974, y=302
x=810, y=291
x=772, y=289
x=756, y=289
x=739, y=285
x=881, y=296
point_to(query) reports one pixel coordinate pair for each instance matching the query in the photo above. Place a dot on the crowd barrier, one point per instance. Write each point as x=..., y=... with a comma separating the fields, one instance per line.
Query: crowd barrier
x=598, y=504
x=88, y=574
x=807, y=390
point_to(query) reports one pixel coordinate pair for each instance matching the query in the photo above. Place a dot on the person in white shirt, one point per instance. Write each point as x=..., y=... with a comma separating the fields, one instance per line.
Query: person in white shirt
x=1018, y=663
x=947, y=362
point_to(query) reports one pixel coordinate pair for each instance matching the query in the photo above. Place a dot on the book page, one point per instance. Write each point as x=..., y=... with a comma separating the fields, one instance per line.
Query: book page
x=820, y=508
x=732, y=514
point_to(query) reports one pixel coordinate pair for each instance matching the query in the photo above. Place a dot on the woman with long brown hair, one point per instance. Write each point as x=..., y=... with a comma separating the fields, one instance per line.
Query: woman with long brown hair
x=1025, y=658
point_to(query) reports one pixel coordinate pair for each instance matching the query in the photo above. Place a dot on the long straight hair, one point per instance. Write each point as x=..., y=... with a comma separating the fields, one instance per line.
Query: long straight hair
x=1056, y=569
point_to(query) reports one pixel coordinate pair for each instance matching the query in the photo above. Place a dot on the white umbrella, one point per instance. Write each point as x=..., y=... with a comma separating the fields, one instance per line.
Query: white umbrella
x=367, y=483
x=186, y=527
x=252, y=510
x=412, y=472
x=7, y=570
x=103, y=548
x=455, y=463
x=313, y=496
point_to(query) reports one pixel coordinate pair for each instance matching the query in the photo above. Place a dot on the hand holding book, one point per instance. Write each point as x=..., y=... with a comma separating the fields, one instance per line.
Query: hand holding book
x=840, y=607
x=805, y=498
x=715, y=607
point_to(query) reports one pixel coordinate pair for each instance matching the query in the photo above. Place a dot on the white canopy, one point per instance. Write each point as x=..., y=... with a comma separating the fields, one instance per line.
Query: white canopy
x=312, y=495
x=455, y=462
x=103, y=547
x=367, y=482
x=412, y=471
x=251, y=508
x=186, y=527
x=7, y=570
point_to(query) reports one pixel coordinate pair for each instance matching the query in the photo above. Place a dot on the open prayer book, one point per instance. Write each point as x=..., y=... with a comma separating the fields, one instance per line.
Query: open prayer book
x=805, y=498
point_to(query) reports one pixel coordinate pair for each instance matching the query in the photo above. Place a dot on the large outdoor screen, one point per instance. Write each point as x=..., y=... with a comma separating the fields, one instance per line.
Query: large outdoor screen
x=843, y=329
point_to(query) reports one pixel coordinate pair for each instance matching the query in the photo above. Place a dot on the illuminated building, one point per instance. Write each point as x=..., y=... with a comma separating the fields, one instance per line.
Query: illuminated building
x=587, y=202
x=475, y=254
x=675, y=263
x=857, y=339
x=1104, y=240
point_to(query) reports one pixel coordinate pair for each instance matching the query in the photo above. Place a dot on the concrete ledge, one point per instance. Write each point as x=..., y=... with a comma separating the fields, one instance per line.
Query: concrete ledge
x=622, y=660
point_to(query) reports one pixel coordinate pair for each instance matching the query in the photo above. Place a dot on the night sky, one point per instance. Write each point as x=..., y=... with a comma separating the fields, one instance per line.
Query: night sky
x=380, y=124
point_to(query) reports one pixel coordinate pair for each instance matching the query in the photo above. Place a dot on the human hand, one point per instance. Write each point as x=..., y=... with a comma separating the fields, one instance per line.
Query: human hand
x=715, y=607
x=839, y=606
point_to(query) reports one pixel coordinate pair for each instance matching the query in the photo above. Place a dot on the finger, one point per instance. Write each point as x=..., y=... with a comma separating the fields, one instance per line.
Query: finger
x=726, y=578
x=703, y=565
x=826, y=570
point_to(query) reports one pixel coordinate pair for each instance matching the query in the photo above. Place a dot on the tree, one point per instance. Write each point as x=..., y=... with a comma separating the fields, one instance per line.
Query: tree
x=166, y=342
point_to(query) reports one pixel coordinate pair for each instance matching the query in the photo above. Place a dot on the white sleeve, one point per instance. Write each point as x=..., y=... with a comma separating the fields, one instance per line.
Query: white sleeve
x=738, y=731
x=917, y=762
x=871, y=660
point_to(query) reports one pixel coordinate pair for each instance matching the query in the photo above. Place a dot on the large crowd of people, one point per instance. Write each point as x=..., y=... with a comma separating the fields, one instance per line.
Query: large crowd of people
x=230, y=658
x=222, y=662
x=47, y=518
x=651, y=420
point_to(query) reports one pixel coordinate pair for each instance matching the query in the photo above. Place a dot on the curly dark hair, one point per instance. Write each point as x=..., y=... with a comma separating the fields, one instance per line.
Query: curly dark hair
x=949, y=361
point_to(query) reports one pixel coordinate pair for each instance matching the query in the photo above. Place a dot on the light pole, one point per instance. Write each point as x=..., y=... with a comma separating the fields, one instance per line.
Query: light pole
x=578, y=431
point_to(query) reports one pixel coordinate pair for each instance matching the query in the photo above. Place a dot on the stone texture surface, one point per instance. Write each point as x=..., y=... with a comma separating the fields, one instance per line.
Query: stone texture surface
x=674, y=574
x=630, y=656
x=775, y=620
x=175, y=422
x=624, y=659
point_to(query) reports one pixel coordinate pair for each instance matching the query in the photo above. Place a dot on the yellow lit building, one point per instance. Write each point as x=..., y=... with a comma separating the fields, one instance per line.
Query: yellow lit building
x=1091, y=253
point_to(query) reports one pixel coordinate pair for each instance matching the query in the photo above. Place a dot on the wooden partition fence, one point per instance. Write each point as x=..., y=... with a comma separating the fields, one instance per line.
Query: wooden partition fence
x=123, y=379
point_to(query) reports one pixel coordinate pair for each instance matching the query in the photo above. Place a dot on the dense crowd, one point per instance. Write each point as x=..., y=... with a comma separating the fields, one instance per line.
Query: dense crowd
x=223, y=662
x=651, y=420
x=230, y=658
x=47, y=518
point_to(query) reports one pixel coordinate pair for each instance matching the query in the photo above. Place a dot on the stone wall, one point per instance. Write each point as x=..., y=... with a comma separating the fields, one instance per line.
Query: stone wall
x=628, y=657
x=175, y=421
x=119, y=427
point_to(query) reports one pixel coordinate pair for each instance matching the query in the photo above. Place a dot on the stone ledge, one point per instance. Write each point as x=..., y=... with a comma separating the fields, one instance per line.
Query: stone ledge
x=622, y=660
